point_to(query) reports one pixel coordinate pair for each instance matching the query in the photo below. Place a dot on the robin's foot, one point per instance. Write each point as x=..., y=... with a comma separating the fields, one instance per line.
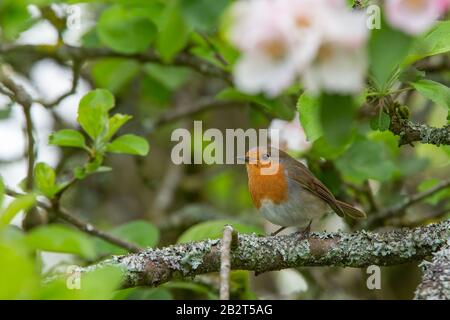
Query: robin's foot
x=278, y=231
x=304, y=234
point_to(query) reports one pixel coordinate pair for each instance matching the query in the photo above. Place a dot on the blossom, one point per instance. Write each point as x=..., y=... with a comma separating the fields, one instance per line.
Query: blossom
x=414, y=16
x=341, y=62
x=288, y=135
x=264, y=33
x=282, y=41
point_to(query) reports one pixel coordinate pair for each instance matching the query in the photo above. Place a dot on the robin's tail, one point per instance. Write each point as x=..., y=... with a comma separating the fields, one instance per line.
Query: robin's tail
x=350, y=211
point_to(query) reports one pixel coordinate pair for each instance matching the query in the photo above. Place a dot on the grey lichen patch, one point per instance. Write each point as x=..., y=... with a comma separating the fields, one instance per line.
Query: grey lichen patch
x=436, y=277
x=435, y=136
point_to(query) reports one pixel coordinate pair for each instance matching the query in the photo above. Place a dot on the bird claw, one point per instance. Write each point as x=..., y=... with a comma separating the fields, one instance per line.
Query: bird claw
x=305, y=233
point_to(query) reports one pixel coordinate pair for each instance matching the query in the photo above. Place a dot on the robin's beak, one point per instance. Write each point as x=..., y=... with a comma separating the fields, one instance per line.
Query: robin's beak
x=242, y=159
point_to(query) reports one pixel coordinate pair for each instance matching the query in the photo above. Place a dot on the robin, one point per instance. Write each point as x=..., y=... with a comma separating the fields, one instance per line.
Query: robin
x=287, y=193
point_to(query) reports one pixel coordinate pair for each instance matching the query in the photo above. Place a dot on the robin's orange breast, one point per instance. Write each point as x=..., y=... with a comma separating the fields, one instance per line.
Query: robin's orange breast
x=271, y=187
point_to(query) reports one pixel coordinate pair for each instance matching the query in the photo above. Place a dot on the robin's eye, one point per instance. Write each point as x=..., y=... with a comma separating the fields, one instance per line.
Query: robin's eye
x=265, y=156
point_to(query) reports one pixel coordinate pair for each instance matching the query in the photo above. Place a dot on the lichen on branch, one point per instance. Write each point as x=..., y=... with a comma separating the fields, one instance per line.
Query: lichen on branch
x=260, y=254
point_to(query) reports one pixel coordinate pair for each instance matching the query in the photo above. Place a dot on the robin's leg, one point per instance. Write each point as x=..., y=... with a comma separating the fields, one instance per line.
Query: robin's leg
x=304, y=234
x=278, y=231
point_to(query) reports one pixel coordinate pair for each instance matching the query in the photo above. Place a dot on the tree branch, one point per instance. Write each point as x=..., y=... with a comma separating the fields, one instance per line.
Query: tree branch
x=435, y=283
x=399, y=208
x=62, y=53
x=261, y=254
x=88, y=228
x=411, y=132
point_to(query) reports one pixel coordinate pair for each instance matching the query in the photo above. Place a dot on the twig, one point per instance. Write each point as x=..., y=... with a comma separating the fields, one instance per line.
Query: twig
x=63, y=214
x=179, y=113
x=64, y=52
x=153, y=267
x=399, y=208
x=90, y=229
x=225, y=264
x=76, y=70
x=19, y=95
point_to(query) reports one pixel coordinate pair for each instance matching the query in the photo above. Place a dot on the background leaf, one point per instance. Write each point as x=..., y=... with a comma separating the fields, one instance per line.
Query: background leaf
x=435, y=91
x=309, y=110
x=139, y=232
x=214, y=229
x=60, y=238
x=126, y=29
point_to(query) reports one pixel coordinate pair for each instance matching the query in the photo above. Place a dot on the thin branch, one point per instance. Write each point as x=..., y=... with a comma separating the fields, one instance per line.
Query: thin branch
x=76, y=71
x=400, y=207
x=19, y=95
x=90, y=229
x=225, y=264
x=179, y=113
x=62, y=53
x=261, y=254
x=65, y=215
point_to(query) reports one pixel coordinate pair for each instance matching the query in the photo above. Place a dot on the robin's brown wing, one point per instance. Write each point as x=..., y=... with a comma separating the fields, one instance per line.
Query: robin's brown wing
x=298, y=172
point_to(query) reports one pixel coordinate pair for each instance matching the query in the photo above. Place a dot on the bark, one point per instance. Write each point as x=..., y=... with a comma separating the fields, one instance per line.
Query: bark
x=261, y=254
x=436, y=277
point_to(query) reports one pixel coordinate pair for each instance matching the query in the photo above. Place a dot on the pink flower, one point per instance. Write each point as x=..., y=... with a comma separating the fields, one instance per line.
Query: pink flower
x=414, y=16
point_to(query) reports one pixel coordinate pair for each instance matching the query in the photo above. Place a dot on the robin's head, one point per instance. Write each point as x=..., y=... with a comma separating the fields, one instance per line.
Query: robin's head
x=264, y=160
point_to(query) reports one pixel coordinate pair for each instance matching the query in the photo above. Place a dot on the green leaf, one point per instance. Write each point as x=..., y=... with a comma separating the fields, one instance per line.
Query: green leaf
x=203, y=14
x=336, y=117
x=435, y=91
x=139, y=232
x=322, y=149
x=14, y=18
x=169, y=76
x=18, y=277
x=67, y=138
x=279, y=107
x=129, y=144
x=93, y=111
x=2, y=191
x=366, y=159
x=114, y=73
x=100, y=284
x=24, y=202
x=126, y=29
x=173, y=34
x=309, y=110
x=384, y=63
x=432, y=43
x=60, y=238
x=214, y=229
x=380, y=122
x=115, y=123
x=45, y=179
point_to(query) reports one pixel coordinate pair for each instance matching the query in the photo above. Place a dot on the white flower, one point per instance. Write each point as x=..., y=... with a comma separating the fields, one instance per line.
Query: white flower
x=284, y=40
x=341, y=63
x=264, y=35
x=288, y=135
x=414, y=16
